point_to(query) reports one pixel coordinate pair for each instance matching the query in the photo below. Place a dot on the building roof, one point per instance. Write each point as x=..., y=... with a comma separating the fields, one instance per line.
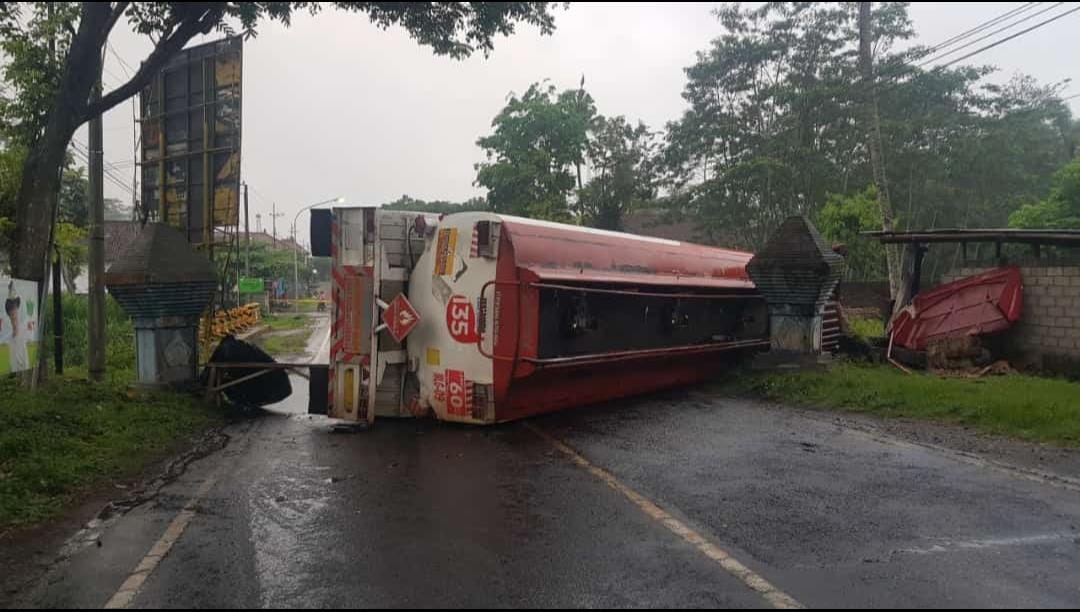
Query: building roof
x=282, y=243
x=159, y=254
x=118, y=235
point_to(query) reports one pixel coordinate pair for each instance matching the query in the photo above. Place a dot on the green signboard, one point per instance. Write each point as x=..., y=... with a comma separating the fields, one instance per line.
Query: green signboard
x=251, y=285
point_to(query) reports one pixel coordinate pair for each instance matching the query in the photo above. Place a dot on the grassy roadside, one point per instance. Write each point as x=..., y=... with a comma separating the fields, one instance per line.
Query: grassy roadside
x=71, y=436
x=287, y=335
x=1026, y=407
x=286, y=322
x=867, y=328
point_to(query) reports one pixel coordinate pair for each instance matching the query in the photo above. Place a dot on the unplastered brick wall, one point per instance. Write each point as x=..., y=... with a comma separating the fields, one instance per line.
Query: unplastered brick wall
x=1048, y=334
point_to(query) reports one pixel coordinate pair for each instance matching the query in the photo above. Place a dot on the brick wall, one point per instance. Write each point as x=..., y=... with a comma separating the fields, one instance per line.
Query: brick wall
x=1048, y=334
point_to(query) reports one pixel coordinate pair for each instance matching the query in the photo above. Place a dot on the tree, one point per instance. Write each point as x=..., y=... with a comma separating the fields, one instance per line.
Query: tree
x=842, y=221
x=1061, y=210
x=269, y=263
x=770, y=126
x=74, y=198
x=773, y=127
x=11, y=161
x=435, y=206
x=71, y=247
x=871, y=125
x=53, y=88
x=116, y=211
x=538, y=143
x=621, y=158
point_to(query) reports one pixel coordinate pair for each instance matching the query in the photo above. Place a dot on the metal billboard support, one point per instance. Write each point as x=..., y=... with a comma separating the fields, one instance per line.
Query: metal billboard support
x=191, y=121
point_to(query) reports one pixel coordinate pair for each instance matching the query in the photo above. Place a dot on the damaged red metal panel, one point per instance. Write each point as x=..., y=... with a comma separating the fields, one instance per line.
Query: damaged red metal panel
x=985, y=304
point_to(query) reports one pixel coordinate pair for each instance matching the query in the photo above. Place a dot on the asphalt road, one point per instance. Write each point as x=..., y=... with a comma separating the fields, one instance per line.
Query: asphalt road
x=419, y=514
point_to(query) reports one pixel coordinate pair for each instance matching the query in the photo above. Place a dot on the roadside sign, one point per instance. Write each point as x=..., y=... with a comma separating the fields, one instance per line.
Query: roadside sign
x=400, y=317
x=251, y=285
x=19, y=332
x=190, y=153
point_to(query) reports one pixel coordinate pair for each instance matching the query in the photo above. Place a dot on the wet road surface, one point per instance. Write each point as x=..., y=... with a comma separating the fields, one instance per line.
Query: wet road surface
x=419, y=514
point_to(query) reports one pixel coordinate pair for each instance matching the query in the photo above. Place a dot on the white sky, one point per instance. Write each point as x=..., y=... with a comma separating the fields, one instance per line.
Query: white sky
x=336, y=107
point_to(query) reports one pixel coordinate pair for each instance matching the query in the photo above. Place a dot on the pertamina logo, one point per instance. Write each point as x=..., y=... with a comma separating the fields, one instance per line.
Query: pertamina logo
x=461, y=320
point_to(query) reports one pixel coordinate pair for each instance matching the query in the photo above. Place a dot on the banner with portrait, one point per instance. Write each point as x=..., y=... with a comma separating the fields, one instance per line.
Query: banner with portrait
x=19, y=333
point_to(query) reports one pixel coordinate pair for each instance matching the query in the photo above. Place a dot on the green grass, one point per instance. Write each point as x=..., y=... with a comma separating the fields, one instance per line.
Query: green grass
x=5, y=355
x=119, y=334
x=867, y=328
x=287, y=322
x=285, y=344
x=277, y=342
x=1037, y=409
x=70, y=436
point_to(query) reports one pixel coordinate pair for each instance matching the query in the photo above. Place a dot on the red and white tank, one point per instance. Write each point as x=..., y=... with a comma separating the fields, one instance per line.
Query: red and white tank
x=516, y=317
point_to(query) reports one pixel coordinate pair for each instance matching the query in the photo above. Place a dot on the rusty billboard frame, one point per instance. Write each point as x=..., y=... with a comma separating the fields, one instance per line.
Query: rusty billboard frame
x=190, y=121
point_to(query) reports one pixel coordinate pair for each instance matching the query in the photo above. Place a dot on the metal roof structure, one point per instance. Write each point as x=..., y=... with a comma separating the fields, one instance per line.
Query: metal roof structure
x=1066, y=238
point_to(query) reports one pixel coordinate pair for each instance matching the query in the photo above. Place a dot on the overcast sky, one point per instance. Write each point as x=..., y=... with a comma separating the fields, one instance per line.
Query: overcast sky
x=336, y=107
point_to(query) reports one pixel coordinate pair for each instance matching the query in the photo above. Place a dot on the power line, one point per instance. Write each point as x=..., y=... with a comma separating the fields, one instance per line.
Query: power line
x=905, y=68
x=109, y=177
x=901, y=72
x=979, y=28
x=258, y=195
x=123, y=65
x=986, y=36
x=85, y=156
x=1010, y=37
x=135, y=136
x=108, y=167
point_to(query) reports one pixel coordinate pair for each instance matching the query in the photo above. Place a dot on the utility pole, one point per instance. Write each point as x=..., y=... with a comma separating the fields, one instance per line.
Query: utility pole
x=296, y=269
x=274, y=215
x=872, y=125
x=57, y=269
x=96, y=318
x=58, y=315
x=258, y=223
x=247, y=235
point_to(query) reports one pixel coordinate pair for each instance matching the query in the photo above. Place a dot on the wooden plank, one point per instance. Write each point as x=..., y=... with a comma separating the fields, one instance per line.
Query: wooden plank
x=242, y=379
x=269, y=366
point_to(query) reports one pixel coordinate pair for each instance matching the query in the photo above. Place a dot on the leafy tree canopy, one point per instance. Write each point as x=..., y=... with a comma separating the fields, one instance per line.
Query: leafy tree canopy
x=1061, y=210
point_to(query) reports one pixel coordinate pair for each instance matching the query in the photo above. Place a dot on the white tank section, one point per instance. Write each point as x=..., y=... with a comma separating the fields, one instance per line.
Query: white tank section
x=445, y=287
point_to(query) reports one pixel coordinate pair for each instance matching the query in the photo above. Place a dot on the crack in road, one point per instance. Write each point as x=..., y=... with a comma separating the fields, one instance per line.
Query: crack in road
x=209, y=443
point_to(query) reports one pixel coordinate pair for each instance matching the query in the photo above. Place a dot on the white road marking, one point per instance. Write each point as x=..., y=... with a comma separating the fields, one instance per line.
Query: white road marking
x=127, y=592
x=322, y=347
x=130, y=588
x=949, y=546
x=774, y=596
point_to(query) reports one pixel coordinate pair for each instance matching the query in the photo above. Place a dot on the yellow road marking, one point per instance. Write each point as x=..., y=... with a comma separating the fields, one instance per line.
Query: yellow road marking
x=774, y=596
x=127, y=592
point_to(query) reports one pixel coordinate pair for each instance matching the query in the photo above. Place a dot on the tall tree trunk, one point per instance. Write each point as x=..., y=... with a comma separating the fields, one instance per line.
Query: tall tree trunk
x=872, y=125
x=41, y=180
x=70, y=273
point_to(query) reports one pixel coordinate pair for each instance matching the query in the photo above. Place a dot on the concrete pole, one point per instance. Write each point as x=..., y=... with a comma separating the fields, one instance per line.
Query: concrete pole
x=247, y=235
x=96, y=318
x=296, y=271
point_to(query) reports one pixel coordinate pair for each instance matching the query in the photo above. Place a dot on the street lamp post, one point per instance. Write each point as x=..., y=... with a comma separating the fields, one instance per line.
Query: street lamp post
x=296, y=249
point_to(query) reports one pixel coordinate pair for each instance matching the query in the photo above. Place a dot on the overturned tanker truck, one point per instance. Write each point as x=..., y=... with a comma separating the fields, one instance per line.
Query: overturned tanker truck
x=485, y=318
